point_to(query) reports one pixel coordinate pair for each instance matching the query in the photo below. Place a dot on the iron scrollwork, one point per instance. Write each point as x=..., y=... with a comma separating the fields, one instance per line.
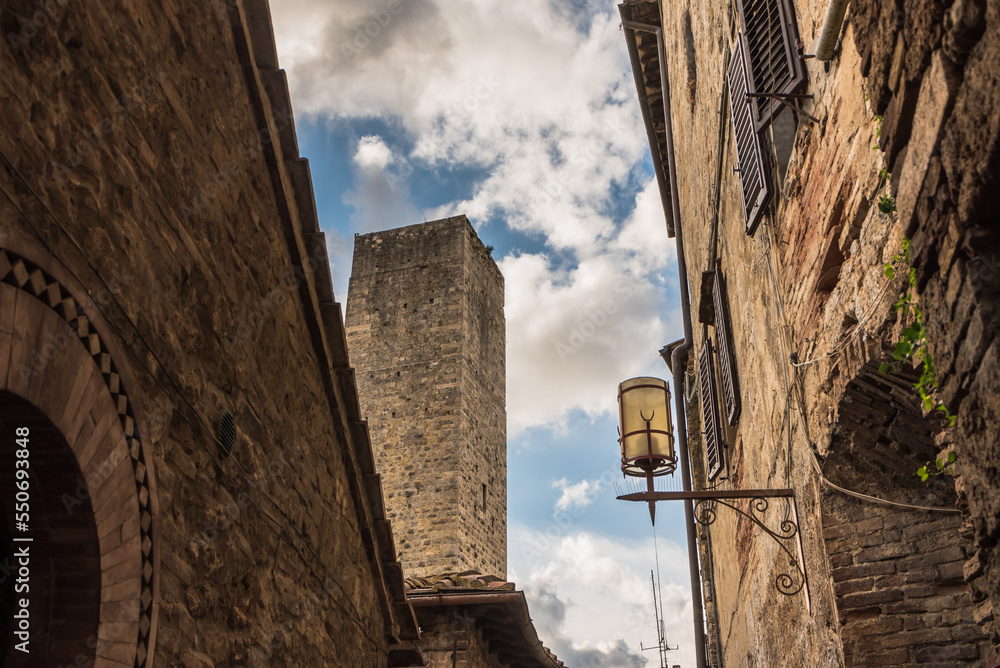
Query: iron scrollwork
x=786, y=583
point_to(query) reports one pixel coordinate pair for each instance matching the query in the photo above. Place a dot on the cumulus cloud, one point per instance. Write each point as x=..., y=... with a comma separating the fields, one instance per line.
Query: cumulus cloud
x=600, y=589
x=514, y=86
x=372, y=153
x=380, y=195
x=576, y=496
x=540, y=96
x=575, y=331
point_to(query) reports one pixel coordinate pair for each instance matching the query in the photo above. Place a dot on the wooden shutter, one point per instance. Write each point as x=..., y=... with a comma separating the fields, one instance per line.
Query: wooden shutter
x=711, y=426
x=774, y=64
x=727, y=360
x=755, y=181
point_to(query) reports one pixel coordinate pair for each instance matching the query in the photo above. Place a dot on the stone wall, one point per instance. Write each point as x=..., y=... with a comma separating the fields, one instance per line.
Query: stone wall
x=811, y=306
x=149, y=154
x=937, y=66
x=426, y=332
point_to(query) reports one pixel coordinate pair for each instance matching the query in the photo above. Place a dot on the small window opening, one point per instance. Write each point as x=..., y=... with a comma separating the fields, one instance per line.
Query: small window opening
x=484, y=497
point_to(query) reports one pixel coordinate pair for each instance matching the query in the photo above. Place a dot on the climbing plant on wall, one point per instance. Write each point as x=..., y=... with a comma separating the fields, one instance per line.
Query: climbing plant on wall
x=912, y=348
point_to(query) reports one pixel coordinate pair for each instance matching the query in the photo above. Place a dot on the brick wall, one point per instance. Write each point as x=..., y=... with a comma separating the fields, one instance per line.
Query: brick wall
x=898, y=573
x=158, y=140
x=810, y=287
x=931, y=71
x=901, y=595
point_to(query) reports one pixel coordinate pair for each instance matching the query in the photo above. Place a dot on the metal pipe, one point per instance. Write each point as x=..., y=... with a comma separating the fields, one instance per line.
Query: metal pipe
x=678, y=357
x=826, y=45
x=484, y=598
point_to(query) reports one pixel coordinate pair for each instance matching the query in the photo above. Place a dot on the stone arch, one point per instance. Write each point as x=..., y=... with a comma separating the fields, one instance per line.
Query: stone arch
x=59, y=357
x=897, y=572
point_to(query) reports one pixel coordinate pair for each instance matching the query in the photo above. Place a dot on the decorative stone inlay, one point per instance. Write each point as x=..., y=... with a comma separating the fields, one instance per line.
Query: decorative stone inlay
x=25, y=275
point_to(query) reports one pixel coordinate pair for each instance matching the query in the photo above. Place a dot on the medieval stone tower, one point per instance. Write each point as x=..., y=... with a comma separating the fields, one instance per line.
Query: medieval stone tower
x=426, y=335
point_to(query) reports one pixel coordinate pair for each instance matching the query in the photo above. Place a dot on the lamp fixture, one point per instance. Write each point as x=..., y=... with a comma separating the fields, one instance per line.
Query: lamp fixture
x=646, y=441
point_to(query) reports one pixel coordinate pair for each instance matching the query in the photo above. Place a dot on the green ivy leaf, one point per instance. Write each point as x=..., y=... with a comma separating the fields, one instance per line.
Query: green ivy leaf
x=951, y=455
x=883, y=368
x=889, y=271
x=903, y=349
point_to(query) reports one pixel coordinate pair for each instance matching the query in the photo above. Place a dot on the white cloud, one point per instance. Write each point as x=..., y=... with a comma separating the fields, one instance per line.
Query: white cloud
x=372, y=153
x=543, y=98
x=600, y=588
x=574, y=333
x=576, y=496
x=381, y=194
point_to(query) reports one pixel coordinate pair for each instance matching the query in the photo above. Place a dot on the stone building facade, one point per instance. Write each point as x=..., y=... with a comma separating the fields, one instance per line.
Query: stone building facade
x=426, y=332
x=789, y=219
x=427, y=335
x=202, y=488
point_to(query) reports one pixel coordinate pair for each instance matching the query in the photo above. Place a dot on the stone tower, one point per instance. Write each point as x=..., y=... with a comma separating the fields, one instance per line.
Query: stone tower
x=426, y=335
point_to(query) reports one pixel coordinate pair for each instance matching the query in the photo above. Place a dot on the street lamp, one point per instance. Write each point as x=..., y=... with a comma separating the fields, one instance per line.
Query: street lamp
x=646, y=433
x=646, y=440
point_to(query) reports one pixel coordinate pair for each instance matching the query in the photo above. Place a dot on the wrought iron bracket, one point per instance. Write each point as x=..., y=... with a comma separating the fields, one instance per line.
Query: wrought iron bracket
x=789, y=100
x=786, y=535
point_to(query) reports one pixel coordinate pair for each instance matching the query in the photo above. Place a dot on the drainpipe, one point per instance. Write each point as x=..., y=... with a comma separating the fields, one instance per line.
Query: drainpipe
x=678, y=358
x=826, y=45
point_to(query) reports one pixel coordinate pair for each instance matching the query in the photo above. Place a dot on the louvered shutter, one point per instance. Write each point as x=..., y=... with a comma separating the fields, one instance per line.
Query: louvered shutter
x=755, y=181
x=727, y=360
x=773, y=61
x=711, y=427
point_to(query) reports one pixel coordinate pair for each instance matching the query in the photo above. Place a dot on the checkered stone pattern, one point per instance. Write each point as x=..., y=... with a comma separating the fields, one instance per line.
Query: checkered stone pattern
x=24, y=275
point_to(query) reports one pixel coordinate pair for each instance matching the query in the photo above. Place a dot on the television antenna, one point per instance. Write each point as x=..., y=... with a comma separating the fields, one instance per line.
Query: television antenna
x=661, y=635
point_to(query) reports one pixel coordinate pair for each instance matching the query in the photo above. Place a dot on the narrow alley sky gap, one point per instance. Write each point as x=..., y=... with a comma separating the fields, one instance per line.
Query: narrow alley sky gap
x=521, y=114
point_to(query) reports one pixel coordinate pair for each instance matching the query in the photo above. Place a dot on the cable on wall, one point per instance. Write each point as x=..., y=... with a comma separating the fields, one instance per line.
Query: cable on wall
x=799, y=393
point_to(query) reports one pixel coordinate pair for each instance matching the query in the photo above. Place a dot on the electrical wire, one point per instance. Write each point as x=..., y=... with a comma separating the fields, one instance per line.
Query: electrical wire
x=857, y=329
x=868, y=497
x=660, y=633
x=353, y=613
x=799, y=398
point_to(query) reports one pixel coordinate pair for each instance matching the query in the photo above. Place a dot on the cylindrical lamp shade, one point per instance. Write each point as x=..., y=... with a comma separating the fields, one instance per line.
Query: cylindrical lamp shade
x=647, y=435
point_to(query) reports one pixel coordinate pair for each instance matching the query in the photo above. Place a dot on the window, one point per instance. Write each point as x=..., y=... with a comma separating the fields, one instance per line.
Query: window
x=755, y=182
x=711, y=427
x=727, y=360
x=770, y=43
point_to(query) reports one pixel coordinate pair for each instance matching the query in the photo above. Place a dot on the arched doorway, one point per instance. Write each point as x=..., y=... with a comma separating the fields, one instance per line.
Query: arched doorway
x=55, y=552
x=60, y=367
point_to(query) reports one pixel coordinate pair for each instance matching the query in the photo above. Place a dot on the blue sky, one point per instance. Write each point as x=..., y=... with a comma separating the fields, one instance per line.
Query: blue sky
x=521, y=114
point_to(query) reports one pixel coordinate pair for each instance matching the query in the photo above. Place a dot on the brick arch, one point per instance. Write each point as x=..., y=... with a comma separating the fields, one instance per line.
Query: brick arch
x=58, y=355
x=897, y=572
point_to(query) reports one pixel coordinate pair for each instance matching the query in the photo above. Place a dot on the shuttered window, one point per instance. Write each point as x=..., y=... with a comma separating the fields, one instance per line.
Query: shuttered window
x=752, y=165
x=773, y=61
x=711, y=427
x=727, y=360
